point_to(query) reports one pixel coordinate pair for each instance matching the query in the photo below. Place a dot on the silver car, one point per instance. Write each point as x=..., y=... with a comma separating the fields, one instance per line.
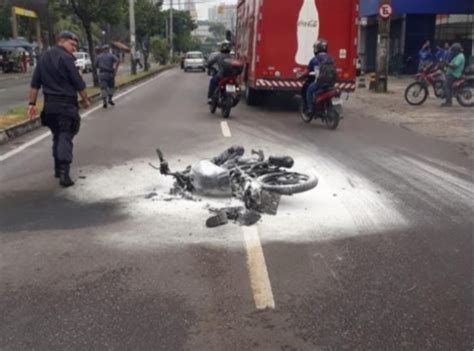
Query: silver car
x=194, y=60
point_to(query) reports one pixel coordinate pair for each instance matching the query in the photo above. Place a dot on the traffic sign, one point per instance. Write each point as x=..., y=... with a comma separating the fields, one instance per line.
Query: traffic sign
x=385, y=11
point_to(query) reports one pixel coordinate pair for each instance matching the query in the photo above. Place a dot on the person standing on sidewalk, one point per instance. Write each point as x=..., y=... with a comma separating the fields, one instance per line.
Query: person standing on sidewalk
x=57, y=74
x=454, y=71
x=425, y=56
x=107, y=64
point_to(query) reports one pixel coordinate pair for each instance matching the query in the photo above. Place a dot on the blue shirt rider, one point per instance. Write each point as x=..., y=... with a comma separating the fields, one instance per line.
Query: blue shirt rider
x=425, y=56
x=320, y=55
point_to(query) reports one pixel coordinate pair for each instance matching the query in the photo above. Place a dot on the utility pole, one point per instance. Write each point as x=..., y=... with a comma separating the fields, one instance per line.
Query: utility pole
x=132, y=35
x=383, y=45
x=171, y=31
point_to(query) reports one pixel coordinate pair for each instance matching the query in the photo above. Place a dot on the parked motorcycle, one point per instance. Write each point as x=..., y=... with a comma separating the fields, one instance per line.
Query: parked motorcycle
x=327, y=106
x=417, y=92
x=228, y=92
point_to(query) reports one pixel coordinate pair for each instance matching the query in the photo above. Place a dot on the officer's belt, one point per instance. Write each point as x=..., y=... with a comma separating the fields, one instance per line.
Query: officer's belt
x=70, y=100
x=106, y=71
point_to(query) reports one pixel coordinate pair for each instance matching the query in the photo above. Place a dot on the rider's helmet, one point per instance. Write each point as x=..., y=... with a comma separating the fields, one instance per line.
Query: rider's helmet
x=225, y=47
x=320, y=46
x=455, y=49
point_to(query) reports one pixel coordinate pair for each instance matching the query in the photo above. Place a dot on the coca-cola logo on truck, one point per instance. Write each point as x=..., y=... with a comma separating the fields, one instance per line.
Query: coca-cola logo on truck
x=313, y=23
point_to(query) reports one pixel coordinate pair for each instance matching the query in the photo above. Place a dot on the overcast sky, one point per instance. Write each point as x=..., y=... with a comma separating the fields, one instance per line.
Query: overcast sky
x=202, y=6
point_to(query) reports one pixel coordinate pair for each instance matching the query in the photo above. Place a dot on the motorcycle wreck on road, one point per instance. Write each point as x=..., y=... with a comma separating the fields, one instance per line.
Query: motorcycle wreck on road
x=256, y=180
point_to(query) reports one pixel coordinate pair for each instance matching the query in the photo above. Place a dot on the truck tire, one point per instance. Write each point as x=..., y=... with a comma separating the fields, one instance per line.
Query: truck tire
x=252, y=96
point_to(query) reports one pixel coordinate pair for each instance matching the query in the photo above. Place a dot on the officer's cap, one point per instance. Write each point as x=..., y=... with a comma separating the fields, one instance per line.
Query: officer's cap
x=67, y=35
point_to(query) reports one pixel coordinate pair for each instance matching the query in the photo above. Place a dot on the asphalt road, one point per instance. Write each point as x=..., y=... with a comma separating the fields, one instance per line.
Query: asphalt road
x=14, y=92
x=377, y=257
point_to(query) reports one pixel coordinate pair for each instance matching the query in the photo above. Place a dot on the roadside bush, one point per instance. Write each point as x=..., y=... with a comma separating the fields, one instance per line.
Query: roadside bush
x=159, y=50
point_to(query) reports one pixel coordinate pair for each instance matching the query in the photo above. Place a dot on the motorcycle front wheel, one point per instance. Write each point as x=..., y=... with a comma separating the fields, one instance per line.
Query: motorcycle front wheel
x=304, y=116
x=465, y=95
x=287, y=183
x=416, y=94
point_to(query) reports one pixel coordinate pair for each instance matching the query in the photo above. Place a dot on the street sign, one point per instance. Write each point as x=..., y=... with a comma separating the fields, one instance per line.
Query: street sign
x=24, y=12
x=385, y=11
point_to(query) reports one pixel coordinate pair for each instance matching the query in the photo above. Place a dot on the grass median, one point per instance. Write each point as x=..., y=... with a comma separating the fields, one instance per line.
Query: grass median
x=18, y=114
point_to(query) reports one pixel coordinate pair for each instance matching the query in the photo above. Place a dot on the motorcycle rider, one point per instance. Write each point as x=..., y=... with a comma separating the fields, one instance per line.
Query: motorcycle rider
x=320, y=74
x=454, y=71
x=219, y=60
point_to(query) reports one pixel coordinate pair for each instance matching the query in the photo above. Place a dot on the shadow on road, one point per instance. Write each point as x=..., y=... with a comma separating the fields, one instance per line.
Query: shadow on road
x=44, y=210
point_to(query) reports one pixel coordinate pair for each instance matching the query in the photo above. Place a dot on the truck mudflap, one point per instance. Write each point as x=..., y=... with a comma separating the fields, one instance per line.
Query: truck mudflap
x=289, y=85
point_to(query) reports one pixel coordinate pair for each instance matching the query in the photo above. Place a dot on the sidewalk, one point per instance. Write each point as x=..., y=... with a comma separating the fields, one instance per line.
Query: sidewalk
x=15, y=76
x=15, y=122
x=455, y=124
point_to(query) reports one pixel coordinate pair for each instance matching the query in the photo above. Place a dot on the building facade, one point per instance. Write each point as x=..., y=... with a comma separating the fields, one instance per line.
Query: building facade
x=225, y=14
x=412, y=24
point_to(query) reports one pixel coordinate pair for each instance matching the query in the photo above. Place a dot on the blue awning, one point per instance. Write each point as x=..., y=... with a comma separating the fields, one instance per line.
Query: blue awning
x=15, y=43
x=428, y=7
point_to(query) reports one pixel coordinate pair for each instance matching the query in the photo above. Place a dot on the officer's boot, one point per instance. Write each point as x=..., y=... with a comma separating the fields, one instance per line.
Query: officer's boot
x=111, y=102
x=56, y=168
x=64, y=178
x=105, y=103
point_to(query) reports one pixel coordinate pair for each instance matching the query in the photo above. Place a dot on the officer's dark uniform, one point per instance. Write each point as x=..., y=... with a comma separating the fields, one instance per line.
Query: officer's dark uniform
x=106, y=65
x=57, y=74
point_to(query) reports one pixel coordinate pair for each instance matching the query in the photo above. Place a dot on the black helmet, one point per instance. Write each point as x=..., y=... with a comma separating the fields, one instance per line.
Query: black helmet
x=67, y=35
x=225, y=47
x=320, y=46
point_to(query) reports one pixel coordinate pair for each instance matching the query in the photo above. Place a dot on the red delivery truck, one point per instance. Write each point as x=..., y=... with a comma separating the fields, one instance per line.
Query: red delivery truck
x=275, y=40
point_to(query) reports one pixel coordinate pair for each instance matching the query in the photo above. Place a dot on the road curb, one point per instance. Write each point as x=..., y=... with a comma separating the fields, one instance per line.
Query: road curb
x=27, y=126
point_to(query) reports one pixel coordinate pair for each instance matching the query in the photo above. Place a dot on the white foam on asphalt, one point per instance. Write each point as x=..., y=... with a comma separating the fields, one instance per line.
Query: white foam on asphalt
x=150, y=222
x=343, y=204
x=335, y=208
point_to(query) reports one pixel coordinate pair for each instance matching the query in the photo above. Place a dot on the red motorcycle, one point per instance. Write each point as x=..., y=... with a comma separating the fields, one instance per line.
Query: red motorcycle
x=417, y=92
x=228, y=92
x=463, y=90
x=327, y=106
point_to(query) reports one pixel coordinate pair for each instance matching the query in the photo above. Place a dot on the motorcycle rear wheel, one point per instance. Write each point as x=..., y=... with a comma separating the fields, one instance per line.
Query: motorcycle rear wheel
x=416, y=94
x=287, y=183
x=465, y=95
x=227, y=106
x=332, y=118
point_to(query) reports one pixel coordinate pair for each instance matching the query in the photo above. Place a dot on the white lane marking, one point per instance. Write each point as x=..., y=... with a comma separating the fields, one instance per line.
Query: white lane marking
x=259, y=280
x=225, y=129
x=2, y=90
x=19, y=149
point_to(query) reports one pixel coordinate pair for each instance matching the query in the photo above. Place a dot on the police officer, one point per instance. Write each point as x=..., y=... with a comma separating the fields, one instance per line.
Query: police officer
x=57, y=74
x=107, y=64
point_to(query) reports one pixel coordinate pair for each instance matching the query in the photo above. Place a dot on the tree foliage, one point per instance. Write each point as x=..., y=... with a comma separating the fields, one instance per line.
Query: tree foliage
x=159, y=50
x=95, y=11
x=218, y=30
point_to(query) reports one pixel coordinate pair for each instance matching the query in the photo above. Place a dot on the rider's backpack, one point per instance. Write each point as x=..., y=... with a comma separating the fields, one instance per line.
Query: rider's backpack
x=327, y=72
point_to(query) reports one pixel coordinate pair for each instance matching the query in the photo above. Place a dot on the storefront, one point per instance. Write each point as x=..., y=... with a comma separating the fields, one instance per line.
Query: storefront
x=414, y=22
